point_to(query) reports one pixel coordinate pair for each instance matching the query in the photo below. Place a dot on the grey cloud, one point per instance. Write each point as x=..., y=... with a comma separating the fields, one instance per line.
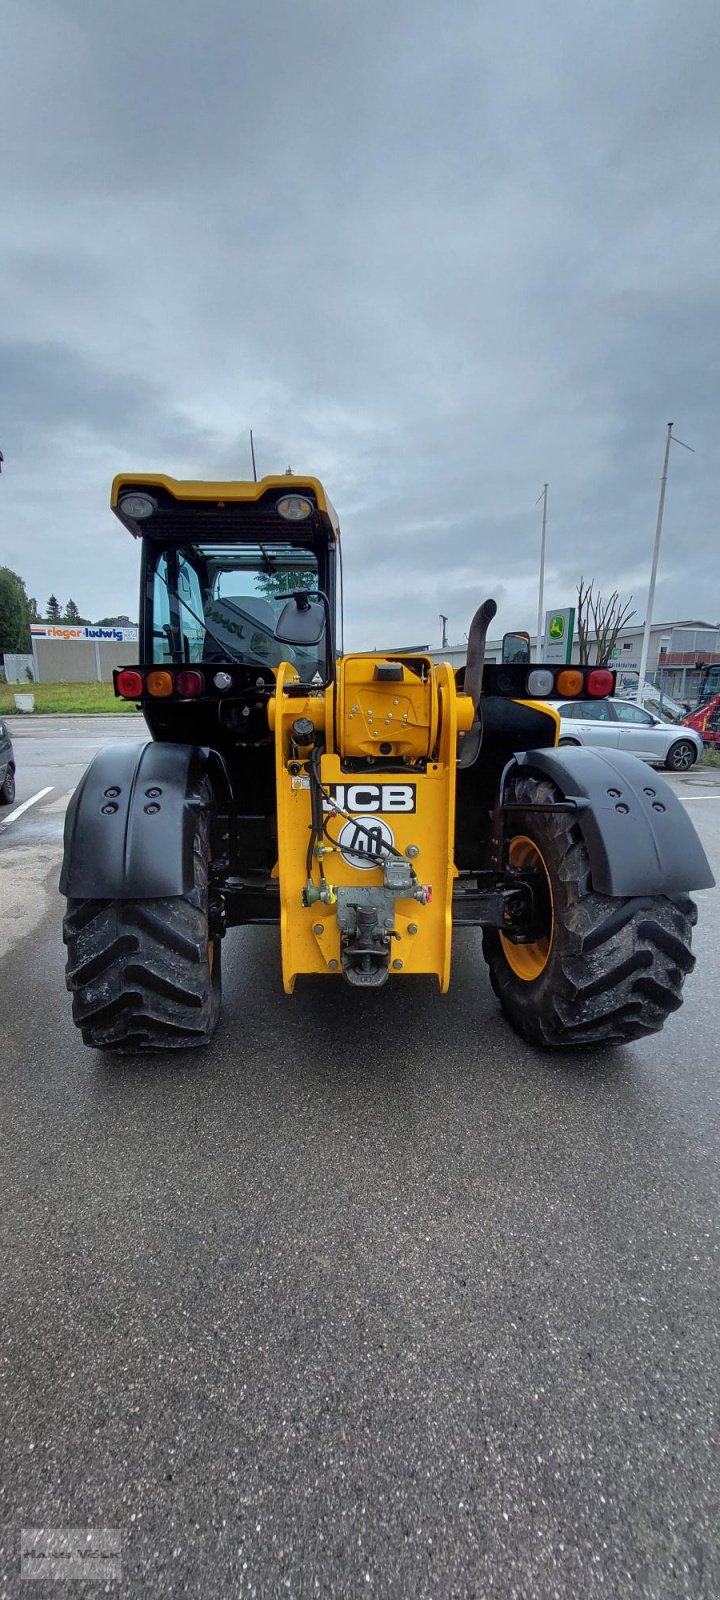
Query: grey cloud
x=436, y=255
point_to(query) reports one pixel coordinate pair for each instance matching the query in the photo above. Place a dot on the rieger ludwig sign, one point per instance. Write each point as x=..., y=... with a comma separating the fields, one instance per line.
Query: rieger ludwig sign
x=65, y=630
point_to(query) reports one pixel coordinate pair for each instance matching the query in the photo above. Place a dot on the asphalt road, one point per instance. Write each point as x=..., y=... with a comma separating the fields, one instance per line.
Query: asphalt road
x=368, y=1297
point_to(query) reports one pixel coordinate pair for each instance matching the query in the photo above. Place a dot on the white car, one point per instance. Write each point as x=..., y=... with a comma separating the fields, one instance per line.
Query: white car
x=623, y=725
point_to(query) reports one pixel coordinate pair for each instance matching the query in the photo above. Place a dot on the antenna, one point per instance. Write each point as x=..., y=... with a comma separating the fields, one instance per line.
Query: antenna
x=252, y=452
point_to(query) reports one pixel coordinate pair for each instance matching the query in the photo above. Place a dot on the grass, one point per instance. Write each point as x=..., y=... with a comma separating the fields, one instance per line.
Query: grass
x=88, y=698
x=710, y=758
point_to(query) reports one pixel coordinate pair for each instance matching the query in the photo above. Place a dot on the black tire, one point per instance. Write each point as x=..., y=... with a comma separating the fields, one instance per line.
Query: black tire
x=614, y=968
x=7, y=790
x=575, y=742
x=681, y=756
x=142, y=973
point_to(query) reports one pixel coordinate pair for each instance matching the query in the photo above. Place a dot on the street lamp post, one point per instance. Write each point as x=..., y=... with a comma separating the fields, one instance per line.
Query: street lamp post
x=541, y=587
x=670, y=439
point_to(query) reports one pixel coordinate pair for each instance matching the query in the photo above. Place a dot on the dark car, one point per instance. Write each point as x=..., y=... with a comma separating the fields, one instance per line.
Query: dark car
x=7, y=767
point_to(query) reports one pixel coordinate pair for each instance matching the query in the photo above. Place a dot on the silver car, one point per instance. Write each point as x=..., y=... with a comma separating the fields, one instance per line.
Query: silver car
x=623, y=725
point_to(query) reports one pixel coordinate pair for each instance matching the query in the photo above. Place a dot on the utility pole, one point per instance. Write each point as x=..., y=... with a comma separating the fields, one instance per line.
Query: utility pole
x=541, y=588
x=443, y=642
x=670, y=439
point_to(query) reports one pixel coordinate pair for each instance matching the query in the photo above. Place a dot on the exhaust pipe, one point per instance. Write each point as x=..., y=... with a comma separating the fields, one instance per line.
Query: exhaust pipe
x=476, y=648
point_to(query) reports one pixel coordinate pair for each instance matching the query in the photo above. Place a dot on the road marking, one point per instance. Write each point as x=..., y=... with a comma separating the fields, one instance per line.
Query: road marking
x=700, y=797
x=31, y=802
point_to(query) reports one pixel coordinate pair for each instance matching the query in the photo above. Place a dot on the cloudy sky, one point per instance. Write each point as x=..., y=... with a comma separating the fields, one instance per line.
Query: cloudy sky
x=434, y=253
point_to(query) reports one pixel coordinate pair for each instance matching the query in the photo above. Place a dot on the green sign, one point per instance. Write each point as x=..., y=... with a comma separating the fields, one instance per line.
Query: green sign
x=557, y=642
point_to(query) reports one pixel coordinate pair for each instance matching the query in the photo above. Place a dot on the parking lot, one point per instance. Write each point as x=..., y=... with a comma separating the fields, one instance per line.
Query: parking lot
x=367, y=1298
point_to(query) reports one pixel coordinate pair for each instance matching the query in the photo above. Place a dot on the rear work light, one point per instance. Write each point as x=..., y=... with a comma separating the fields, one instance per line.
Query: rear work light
x=540, y=681
x=599, y=682
x=138, y=506
x=189, y=683
x=159, y=684
x=129, y=685
x=570, y=682
x=295, y=507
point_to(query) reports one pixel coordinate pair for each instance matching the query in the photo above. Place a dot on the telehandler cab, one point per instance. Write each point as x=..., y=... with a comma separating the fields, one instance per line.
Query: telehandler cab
x=368, y=804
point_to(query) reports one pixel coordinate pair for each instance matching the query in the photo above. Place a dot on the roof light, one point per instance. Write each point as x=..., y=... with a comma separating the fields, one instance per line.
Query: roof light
x=294, y=507
x=541, y=681
x=570, y=682
x=159, y=684
x=137, y=506
x=129, y=684
x=600, y=682
x=189, y=683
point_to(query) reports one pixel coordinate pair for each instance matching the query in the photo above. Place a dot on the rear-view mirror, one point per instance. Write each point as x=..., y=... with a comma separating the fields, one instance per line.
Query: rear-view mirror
x=301, y=621
x=516, y=648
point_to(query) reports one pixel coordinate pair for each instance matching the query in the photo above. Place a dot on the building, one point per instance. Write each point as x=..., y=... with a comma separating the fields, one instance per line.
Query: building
x=64, y=652
x=678, y=651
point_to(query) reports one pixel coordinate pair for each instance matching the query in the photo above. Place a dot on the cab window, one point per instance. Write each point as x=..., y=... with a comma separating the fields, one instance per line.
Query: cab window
x=223, y=602
x=177, y=608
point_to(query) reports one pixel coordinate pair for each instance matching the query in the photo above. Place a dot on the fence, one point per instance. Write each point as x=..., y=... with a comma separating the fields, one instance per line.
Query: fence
x=18, y=669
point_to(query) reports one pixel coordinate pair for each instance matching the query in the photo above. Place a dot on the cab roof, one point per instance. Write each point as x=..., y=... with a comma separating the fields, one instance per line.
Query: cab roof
x=197, y=509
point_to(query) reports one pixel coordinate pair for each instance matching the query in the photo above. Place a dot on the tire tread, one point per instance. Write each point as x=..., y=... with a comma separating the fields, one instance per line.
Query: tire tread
x=138, y=971
x=619, y=966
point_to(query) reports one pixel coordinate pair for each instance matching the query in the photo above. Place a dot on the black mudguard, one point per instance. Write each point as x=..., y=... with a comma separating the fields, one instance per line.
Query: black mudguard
x=130, y=825
x=639, y=836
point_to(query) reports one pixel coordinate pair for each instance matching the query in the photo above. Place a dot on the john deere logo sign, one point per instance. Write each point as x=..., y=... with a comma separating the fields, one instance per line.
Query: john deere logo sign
x=557, y=640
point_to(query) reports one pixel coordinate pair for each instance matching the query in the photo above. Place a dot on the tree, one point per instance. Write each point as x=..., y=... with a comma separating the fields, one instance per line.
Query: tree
x=14, y=612
x=274, y=584
x=604, y=618
x=72, y=615
x=52, y=610
x=34, y=613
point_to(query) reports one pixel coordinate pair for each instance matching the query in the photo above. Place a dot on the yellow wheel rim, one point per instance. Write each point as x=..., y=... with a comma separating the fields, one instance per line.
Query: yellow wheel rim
x=528, y=961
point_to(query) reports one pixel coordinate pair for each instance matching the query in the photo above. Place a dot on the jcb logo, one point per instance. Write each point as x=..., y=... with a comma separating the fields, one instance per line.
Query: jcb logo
x=365, y=798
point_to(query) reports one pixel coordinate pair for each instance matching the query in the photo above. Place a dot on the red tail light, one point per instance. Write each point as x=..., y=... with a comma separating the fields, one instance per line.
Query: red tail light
x=599, y=682
x=129, y=685
x=188, y=683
